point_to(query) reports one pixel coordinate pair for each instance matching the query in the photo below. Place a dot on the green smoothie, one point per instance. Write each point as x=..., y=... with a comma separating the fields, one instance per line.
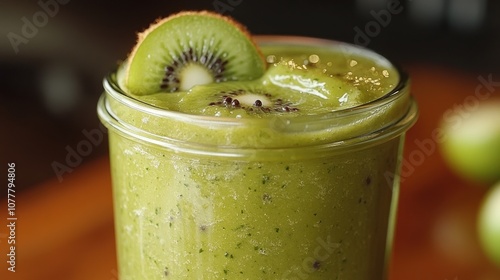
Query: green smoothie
x=302, y=186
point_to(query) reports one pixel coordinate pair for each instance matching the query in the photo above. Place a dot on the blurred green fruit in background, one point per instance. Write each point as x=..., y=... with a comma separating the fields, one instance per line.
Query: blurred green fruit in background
x=489, y=224
x=471, y=140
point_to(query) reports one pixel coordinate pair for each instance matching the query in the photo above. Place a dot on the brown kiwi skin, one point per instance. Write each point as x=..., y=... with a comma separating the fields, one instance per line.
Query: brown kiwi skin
x=159, y=21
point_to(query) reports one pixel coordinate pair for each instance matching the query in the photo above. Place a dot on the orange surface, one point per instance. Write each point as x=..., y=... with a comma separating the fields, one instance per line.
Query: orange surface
x=65, y=230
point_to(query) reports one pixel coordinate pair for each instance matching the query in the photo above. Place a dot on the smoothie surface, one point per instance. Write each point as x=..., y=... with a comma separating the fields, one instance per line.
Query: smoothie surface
x=299, y=80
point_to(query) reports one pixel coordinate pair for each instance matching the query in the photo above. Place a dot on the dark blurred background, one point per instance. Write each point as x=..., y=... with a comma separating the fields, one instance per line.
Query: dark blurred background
x=51, y=76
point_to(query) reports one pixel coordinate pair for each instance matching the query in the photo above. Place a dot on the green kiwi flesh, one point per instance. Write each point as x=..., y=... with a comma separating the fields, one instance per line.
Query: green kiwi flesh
x=188, y=49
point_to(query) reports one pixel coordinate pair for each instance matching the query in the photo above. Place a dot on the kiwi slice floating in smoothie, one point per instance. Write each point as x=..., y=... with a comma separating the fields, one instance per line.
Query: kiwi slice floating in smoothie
x=188, y=49
x=240, y=99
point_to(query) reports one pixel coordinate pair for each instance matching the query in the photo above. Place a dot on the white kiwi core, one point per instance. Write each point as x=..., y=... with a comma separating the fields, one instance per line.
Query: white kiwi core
x=249, y=99
x=194, y=74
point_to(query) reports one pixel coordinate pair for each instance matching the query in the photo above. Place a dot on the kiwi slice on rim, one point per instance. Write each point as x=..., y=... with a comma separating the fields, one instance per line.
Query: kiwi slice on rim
x=191, y=48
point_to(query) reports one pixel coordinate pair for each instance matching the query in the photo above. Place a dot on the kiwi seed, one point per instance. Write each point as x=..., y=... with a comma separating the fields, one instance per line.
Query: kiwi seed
x=190, y=59
x=231, y=100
